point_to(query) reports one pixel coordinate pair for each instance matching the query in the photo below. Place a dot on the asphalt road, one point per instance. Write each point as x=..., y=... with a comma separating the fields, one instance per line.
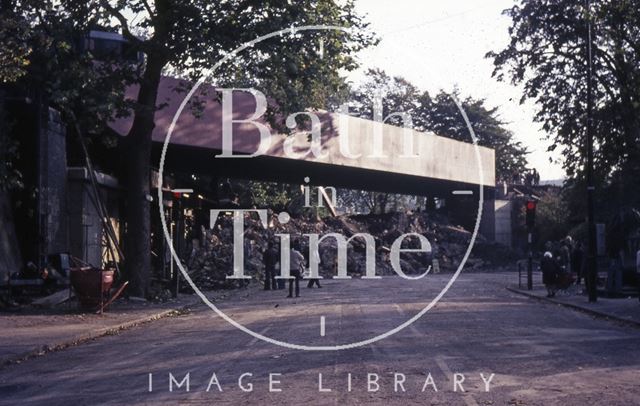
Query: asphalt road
x=529, y=353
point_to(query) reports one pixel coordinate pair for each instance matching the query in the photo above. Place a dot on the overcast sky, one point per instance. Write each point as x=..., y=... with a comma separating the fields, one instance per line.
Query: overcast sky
x=439, y=44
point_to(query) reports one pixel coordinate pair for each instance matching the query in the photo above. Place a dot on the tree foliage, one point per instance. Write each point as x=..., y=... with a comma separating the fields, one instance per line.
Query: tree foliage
x=10, y=175
x=440, y=115
x=14, y=47
x=185, y=38
x=271, y=195
x=552, y=218
x=547, y=54
x=51, y=63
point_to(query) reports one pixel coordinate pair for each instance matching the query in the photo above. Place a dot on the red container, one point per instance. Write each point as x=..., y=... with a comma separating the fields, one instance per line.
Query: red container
x=91, y=285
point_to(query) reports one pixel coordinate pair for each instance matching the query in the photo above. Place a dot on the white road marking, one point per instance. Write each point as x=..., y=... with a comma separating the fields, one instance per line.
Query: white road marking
x=412, y=327
x=255, y=339
x=321, y=326
x=442, y=364
x=444, y=367
x=182, y=190
x=462, y=192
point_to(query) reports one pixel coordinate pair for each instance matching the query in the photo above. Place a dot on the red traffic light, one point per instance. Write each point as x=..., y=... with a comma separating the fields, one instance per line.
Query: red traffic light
x=531, y=214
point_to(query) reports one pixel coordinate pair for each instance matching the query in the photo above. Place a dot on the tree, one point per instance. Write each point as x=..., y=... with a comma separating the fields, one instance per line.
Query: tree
x=14, y=44
x=552, y=218
x=441, y=116
x=191, y=36
x=43, y=63
x=547, y=54
x=396, y=95
x=188, y=37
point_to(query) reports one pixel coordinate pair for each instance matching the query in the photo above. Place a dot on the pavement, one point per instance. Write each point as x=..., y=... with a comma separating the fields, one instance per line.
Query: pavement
x=28, y=332
x=531, y=352
x=624, y=310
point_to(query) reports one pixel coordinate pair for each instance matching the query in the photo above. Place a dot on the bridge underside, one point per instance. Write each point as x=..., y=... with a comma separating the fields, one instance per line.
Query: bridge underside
x=274, y=169
x=463, y=208
x=352, y=152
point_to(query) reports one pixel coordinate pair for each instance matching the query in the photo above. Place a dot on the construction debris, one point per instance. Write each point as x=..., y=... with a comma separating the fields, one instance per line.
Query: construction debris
x=212, y=260
x=54, y=299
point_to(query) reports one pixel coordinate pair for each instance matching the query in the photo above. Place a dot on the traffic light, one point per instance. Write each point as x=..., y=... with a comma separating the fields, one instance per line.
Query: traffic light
x=531, y=213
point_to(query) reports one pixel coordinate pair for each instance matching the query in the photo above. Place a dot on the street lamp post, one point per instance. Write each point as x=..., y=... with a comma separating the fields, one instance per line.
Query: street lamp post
x=592, y=273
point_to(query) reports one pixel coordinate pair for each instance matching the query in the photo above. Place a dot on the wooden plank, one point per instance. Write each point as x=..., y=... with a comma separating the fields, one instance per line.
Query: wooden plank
x=53, y=299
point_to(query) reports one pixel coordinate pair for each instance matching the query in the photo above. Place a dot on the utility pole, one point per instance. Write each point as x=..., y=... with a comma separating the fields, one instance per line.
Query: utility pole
x=530, y=221
x=592, y=270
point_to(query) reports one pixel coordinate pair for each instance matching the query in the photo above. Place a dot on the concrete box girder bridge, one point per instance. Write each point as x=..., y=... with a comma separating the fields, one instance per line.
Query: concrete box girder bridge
x=440, y=166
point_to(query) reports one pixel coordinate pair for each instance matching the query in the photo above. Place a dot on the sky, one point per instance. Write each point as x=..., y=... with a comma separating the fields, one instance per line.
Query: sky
x=439, y=44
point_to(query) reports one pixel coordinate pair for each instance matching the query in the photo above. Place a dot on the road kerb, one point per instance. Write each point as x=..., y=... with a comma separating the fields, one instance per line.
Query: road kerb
x=92, y=335
x=573, y=306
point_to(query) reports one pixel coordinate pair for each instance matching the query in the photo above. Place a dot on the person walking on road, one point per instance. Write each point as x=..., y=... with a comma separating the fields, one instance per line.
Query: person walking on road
x=315, y=281
x=270, y=259
x=297, y=265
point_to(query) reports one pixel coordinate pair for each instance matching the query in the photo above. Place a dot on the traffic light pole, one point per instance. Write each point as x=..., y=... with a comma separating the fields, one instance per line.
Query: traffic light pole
x=530, y=261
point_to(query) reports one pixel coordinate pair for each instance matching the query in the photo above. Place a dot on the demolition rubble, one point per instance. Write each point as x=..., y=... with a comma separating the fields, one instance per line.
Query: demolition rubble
x=211, y=257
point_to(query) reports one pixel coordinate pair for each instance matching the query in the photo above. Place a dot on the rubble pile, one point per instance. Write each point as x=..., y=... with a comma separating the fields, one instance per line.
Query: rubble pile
x=211, y=259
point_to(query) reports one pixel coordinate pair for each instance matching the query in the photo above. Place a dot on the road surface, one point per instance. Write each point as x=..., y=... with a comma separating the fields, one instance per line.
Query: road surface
x=501, y=348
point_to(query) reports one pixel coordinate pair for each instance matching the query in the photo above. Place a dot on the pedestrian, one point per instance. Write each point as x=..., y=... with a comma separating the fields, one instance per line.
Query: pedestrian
x=577, y=258
x=549, y=268
x=515, y=178
x=314, y=281
x=270, y=259
x=528, y=178
x=297, y=265
x=280, y=282
x=614, y=272
x=562, y=258
x=566, y=250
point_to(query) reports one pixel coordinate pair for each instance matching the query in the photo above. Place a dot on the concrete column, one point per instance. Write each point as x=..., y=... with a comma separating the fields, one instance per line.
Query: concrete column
x=488, y=221
x=53, y=183
x=503, y=210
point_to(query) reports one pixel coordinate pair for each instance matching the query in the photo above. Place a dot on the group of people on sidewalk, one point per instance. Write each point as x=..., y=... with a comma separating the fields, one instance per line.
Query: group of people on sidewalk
x=564, y=262
x=297, y=264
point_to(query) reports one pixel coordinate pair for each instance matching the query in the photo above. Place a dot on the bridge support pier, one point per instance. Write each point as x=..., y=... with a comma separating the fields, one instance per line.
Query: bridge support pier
x=463, y=210
x=488, y=220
